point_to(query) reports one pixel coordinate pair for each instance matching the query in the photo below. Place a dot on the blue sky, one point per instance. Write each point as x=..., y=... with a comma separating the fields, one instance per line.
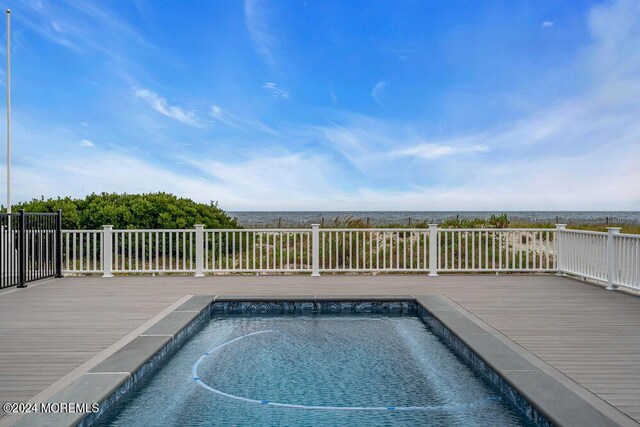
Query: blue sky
x=323, y=104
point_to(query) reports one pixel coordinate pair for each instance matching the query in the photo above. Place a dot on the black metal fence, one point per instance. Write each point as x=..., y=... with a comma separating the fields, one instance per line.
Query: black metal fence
x=30, y=247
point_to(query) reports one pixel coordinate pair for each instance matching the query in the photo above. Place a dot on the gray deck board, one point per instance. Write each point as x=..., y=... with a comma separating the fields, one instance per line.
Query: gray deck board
x=589, y=334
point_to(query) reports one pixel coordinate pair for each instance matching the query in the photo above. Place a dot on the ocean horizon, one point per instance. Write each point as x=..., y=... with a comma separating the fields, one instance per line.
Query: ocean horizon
x=376, y=218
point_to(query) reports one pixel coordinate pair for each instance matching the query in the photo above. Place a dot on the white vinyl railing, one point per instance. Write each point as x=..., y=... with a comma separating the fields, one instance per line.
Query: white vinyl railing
x=611, y=257
x=375, y=249
x=81, y=251
x=583, y=253
x=153, y=251
x=485, y=250
x=281, y=250
x=627, y=254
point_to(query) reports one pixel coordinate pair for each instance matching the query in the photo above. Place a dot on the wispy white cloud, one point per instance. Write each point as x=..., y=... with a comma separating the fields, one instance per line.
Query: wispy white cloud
x=256, y=21
x=56, y=26
x=51, y=31
x=333, y=97
x=377, y=91
x=372, y=144
x=87, y=143
x=275, y=91
x=77, y=25
x=304, y=180
x=230, y=119
x=274, y=179
x=225, y=117
x=403, y=53
x=436, y=151
x=547, y=24
x=353, y=140
x=615, y=54
x=161, y=105
x=263, y=182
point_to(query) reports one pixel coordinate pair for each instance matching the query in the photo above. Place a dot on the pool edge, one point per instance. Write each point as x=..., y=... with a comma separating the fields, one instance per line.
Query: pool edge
x=541, y=393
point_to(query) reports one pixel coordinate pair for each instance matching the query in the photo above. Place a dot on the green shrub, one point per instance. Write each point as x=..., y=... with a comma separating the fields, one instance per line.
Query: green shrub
x=133, y=211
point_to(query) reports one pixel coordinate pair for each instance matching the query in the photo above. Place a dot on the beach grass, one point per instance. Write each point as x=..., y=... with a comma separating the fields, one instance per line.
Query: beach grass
x=494, y=221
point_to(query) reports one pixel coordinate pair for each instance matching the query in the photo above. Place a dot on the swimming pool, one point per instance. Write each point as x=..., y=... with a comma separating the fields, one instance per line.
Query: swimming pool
x=335, y=366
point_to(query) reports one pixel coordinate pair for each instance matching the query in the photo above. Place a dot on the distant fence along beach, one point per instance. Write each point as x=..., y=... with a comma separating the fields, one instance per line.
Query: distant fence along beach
x=273, y=219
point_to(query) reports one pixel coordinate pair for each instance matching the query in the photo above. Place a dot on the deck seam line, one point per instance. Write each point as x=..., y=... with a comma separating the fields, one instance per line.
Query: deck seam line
x=108, y=373
x=157, y=335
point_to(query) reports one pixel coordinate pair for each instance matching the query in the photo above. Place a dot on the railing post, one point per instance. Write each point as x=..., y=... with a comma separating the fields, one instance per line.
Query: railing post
x=22, y=251
x=59, y=243
x=106, y=250
x=559, y=247
x=200, y=250
x=612, y=258
x=433, y=250
x=315, y=250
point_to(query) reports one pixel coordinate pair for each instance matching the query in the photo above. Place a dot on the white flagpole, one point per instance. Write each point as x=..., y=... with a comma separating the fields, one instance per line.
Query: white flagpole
x=8, y=111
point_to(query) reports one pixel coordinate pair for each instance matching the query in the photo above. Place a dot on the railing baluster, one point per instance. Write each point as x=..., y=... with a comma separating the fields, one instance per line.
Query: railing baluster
x=404, y=249
x=270, y=252
x=397, y=250
x=134, y=260
x=68, y=236
x=411, y=244
x=295, y=250
x=74, y=258
x=309, y=251
x=458, y=250
x=384, y=250
x=259, y=265
x=248, y=241
x=182, y=250
x=190, y=234
x=226, y=249
x=473, y=250
x=301, y=263
x=343, y=259
x=164, y=251
x=379, y=254
x=80, y=251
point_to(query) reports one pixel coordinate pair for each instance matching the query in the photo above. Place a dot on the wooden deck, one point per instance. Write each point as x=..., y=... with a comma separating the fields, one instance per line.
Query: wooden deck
x=591, y=335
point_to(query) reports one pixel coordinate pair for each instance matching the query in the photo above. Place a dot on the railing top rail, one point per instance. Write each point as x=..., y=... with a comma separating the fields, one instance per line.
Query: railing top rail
x=30, y=214
x=308, y=230
x=39, y=213
x=262, y=230
x=593, y=233
x=496, y=229
x=153, y=230
x=426, y=230
x=632, y=236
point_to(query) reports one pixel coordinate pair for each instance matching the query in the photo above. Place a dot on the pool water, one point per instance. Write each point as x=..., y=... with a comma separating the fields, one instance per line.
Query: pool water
x=314, y=370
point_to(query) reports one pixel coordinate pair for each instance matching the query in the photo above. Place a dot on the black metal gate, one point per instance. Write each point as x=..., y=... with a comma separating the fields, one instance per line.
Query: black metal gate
x=30, y=247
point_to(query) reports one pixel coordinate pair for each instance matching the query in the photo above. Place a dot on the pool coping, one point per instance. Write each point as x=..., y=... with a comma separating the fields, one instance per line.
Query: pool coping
x=543, y=392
